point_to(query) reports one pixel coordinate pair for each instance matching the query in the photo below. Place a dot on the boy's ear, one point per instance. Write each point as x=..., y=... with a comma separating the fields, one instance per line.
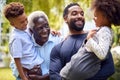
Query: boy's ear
x=11, y=23
x=11, y=20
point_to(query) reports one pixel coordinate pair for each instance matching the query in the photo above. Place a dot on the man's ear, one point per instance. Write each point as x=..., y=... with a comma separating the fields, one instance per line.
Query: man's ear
x=65, y=18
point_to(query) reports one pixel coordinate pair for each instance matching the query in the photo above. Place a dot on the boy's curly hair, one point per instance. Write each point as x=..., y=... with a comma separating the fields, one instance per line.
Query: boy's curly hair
x=14, y=9
x=109, y=8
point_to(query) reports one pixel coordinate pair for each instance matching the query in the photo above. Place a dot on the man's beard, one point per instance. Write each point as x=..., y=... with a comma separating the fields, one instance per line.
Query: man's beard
x=75, y=27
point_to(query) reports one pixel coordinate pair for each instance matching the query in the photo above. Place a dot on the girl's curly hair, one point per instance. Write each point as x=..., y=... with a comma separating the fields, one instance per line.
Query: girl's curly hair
x=109, y=8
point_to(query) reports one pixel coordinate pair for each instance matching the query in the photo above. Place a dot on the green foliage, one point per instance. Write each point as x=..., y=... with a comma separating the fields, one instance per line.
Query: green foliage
x=5, y=33
x=5, y=27
x=6, y=74
x=116, y=30
x=116, y=76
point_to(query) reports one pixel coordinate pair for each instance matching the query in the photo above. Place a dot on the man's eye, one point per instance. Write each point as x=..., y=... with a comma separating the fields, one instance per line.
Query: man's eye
x=74, y=13
x=41, y=28
x=82, y=14
x=46, y=25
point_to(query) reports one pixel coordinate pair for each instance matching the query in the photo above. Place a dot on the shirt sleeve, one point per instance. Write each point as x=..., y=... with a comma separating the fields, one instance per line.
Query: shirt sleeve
x=16, y=48
x=55, y=64
x=104, y=41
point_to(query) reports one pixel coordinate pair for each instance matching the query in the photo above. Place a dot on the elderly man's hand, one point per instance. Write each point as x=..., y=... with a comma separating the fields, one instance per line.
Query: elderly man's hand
x=35, y=70
x=39, y=77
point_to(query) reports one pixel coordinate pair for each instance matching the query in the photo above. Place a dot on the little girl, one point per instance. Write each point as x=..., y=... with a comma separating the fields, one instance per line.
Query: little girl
x=87, y=61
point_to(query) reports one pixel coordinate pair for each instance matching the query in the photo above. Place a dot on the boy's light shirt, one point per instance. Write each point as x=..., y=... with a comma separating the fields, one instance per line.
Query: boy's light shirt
x=29, y=61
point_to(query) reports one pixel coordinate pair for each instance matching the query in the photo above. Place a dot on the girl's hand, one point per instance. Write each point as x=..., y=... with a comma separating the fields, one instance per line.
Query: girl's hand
x=91, y=33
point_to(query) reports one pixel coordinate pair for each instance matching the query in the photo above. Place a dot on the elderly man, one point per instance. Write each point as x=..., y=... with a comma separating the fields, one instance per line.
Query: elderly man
x=38, y=28
x=39, y=25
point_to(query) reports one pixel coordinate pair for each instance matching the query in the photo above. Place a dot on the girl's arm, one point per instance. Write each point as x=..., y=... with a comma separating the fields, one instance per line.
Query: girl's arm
x=101, y=47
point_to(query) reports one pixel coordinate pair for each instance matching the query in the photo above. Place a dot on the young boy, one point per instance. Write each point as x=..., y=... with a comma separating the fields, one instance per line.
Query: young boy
x=21, y=45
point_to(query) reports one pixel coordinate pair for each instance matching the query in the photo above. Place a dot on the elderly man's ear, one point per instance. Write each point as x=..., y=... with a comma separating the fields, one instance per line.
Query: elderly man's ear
x=55, y=33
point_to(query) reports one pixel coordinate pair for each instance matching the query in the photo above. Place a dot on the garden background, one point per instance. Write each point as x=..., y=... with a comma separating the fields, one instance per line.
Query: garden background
x=54, y=10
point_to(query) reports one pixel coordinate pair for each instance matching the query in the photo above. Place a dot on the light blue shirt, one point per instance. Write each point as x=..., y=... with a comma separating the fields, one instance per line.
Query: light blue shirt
x=22, y=46
x=45, y=50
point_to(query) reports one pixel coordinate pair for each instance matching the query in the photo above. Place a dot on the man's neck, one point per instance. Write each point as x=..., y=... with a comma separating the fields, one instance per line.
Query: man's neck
x=41, y=42
x=77, y=32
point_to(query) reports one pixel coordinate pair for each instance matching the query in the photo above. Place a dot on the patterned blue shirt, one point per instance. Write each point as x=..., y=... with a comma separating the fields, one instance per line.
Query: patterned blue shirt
x=45, y=50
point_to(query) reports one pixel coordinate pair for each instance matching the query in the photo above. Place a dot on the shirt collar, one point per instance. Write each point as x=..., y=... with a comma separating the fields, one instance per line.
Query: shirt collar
x=23, y=31
x=50, y=39
x=17, y=30
x=28, y=31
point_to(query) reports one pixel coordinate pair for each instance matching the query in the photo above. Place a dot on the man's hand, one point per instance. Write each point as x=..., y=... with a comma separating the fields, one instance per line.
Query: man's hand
x=39, y=77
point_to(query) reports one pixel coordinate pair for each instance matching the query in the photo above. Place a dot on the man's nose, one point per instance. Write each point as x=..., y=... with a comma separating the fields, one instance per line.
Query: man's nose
x=79, y=15
x=26, y=22
x=44, y=29
x=95, y=18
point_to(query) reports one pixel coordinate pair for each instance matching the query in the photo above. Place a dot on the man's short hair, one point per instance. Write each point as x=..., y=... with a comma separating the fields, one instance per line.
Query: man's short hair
x=65, y=12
